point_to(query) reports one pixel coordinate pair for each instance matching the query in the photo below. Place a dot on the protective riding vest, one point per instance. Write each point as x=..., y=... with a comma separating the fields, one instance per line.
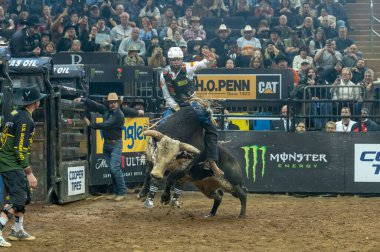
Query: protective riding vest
x=181, y=88
x=16, y=140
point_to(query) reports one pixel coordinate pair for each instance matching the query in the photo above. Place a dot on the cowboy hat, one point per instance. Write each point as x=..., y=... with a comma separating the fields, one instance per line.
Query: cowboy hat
x=223, y=27
x=133, y=49
x=247, y=28
x=195, y=18
x=27, y=95
x=114, y=97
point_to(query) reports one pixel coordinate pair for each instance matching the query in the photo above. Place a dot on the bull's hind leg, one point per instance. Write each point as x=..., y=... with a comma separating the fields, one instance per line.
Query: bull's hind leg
x=240, y=193
x=218, y=196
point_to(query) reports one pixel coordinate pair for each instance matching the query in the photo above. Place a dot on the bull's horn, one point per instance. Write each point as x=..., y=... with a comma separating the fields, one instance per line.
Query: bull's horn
x=189, y=148
x=154, y=133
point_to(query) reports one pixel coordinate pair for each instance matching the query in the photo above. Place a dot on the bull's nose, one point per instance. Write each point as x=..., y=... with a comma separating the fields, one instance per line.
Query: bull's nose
x=156, y=175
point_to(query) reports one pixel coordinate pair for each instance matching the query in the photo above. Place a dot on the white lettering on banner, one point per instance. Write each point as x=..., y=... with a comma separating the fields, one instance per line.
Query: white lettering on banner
x=31, y=63
x=297, y=157
x=106, y=175
x=367, y=162
x=25, y=63
x=268, y=87
x=125, y=174
x=62, y=70
x=76, y=59
x=101, y=163
x=135, y=161
x=15, y=63
x=76, y=180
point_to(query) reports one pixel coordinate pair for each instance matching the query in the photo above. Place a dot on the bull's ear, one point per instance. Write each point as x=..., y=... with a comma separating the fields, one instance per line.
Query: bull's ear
x=154, y=133
x=189, y=148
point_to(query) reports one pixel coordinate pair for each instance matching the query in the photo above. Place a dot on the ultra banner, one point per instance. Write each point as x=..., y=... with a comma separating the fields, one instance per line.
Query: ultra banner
x=133, y=158
x=243, y=83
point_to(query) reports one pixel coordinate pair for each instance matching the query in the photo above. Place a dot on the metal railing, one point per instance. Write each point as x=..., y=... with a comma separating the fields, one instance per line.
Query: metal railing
x=373, y=19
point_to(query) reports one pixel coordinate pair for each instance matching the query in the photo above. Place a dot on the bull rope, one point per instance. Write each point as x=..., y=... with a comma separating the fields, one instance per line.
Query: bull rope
x=205, y=103
x=156, y=123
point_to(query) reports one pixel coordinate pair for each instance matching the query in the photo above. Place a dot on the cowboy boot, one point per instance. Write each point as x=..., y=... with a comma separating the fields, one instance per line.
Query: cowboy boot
x=214, y=167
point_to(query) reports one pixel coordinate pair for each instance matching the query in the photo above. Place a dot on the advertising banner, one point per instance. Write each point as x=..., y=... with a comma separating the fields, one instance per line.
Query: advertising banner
x=133, y=158
x=68, y=71
x=367, y=162
x=243, y=83
x=93, y=58
x=278, y=162
x=76, y=180
x=29, y=65
x=105, y=73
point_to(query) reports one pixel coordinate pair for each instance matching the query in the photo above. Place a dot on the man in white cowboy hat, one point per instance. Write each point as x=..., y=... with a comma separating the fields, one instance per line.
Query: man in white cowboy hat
x=14, y=162
x=248, y=40
x=219, y=45
x=112, y=125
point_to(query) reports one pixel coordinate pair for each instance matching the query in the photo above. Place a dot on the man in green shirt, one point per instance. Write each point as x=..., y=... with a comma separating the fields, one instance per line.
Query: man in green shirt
x=17, y=174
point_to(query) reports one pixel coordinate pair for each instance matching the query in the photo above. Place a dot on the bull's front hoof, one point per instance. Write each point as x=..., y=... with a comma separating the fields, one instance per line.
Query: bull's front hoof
x=165, y=198
x=241, y=216
x=209, y=215
x=148, y=203
x=141, y=195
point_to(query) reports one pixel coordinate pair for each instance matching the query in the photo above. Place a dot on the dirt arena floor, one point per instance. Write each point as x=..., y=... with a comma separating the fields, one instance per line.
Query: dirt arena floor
x=273, y=223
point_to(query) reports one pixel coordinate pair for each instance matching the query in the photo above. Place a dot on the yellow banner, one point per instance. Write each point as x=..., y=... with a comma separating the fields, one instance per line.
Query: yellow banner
x=133, y=139
x=242, y=123
x=228, y=86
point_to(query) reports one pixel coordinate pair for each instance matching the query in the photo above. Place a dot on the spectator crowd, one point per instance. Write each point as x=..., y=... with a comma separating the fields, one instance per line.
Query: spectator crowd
x=309, y=37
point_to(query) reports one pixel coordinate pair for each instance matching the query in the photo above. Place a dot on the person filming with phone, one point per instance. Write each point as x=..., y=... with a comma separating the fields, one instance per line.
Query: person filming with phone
x=327, y=57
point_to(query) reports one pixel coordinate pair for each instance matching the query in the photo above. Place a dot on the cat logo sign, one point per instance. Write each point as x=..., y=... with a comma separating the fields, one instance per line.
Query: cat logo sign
x=268, y=87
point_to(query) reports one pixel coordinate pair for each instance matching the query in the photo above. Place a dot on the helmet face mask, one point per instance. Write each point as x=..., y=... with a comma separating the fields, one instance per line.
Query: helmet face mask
x=175, y=63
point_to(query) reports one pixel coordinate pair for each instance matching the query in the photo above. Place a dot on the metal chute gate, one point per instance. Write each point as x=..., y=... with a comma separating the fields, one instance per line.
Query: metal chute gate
x=59, y=152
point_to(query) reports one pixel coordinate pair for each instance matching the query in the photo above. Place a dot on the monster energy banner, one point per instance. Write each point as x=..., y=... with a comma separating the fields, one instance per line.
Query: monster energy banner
x=309, y=162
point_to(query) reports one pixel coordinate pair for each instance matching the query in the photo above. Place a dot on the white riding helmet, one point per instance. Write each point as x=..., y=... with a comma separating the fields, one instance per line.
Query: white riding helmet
x=175, y=52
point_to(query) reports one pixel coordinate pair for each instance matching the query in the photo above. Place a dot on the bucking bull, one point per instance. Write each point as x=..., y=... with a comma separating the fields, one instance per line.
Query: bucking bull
x=177, y=147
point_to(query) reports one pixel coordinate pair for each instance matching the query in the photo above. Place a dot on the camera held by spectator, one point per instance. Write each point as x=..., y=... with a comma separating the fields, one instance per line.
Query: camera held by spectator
x=157, y=59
